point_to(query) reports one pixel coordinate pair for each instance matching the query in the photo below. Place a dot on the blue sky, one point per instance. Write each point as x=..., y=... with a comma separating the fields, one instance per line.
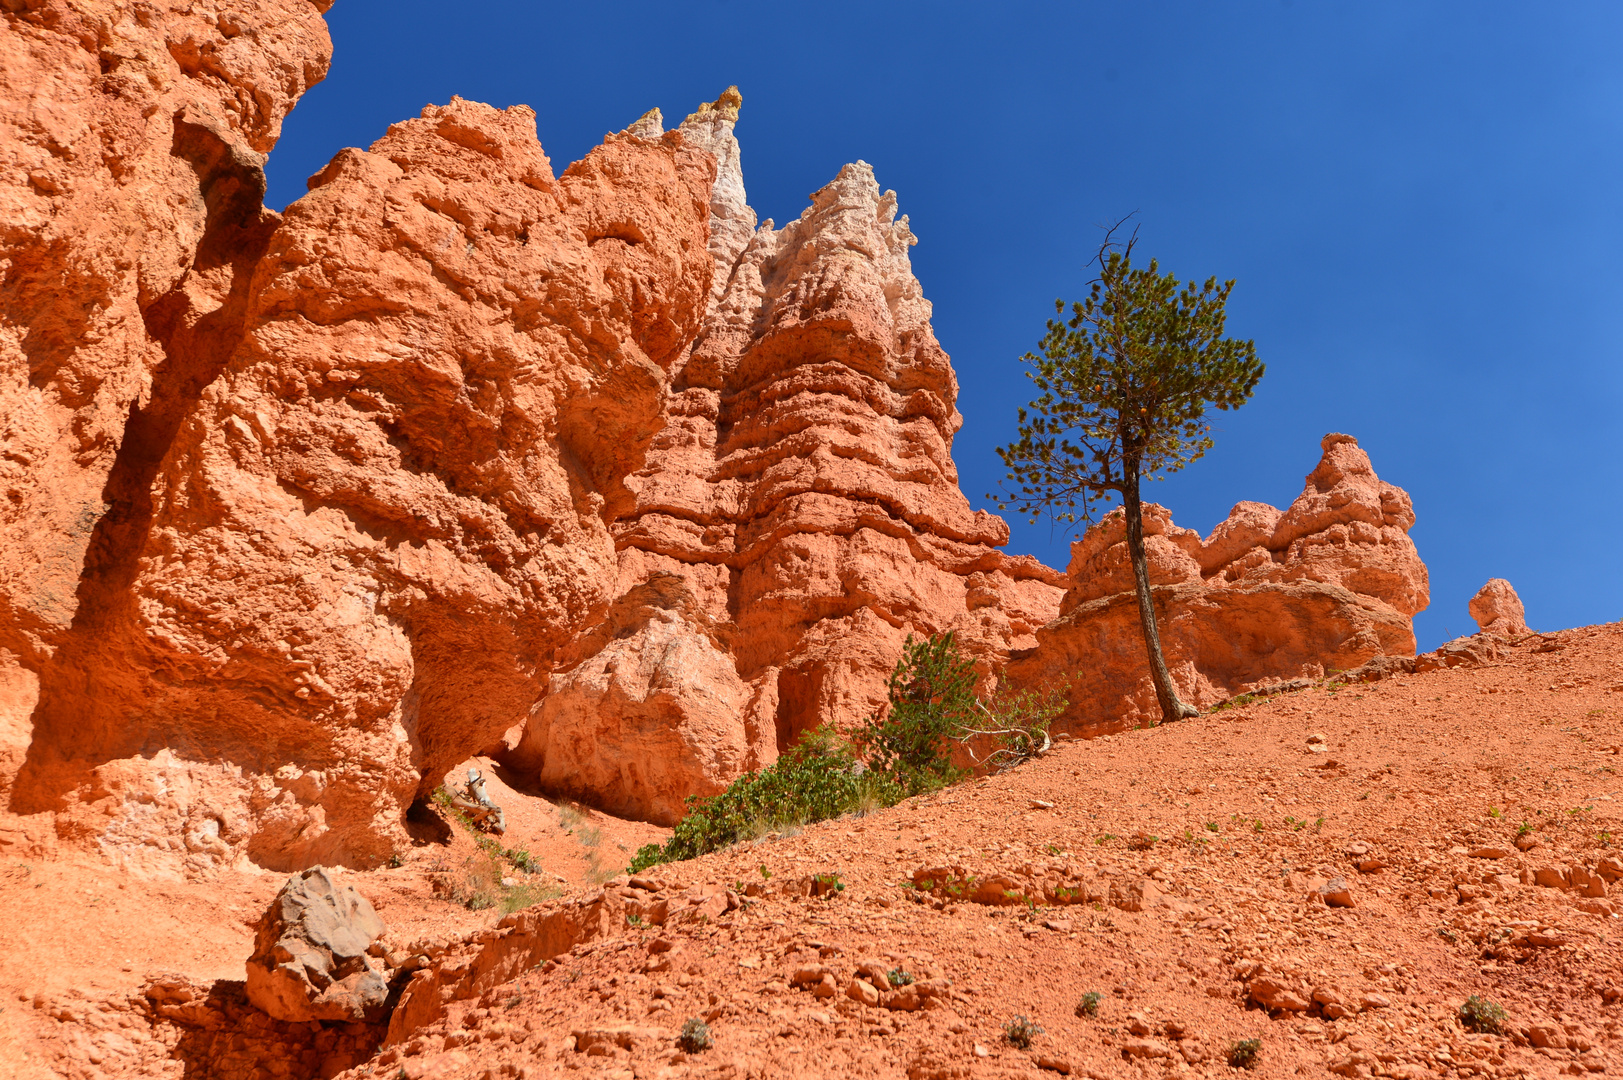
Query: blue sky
x=1422, y=204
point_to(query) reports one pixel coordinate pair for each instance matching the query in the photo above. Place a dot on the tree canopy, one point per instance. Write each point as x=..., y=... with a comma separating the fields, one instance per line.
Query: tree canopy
x=1124, y=385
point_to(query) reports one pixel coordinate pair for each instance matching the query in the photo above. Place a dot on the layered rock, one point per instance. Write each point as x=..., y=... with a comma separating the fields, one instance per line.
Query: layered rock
x=375, y=517
x=131, y=143
x=1327, y=584
x=803, y=487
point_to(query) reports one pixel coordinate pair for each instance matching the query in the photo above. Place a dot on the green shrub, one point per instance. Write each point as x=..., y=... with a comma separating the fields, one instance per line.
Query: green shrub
x=695, y=1036
x=898, y=977
x=1245, y=1053
x=1481, y=1015
x=1089, y=1005
x=814, y=780
x=903, y=751
x=931, y=696
x=1021, y=1032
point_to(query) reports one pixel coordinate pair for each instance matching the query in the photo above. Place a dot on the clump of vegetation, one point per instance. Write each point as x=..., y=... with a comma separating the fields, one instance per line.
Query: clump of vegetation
x=695, y=1037
x=899, y=977
x=1245, y=1053
x=814, y=780
x=1089, y=1005
x=1483, y=1016
x=826, y=885
x=903, y=751
x=480, y=883
x=1021, y=1032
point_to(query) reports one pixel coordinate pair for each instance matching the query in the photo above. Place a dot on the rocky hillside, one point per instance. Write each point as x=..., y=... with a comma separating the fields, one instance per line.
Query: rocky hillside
x=1327, y=875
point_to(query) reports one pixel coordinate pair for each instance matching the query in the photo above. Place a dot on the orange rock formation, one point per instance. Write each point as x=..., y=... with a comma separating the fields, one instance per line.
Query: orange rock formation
x=304, y=509
x=1330, y=583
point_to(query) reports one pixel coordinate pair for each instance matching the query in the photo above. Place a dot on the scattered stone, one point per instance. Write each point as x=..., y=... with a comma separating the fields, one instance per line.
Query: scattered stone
x=1054, y=1064
x=1318, y=743
x=1491, y=852
x=1145, y=1049
x=1271, y=993
x=863, y=993
x=1336, y=893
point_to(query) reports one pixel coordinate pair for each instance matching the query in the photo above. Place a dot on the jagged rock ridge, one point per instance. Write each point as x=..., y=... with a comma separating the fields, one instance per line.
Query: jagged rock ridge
x=1269, y=596
x=803, y=487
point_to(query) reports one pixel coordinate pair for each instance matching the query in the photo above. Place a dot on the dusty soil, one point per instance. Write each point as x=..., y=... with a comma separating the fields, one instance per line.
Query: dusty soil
x=1179, y=872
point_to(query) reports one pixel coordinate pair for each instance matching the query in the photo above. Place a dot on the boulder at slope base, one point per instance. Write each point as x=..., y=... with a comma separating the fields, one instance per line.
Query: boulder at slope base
x=310, y=960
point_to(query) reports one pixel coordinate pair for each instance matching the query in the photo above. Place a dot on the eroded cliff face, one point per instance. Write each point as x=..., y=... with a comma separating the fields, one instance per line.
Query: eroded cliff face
x=460, y=454
x=367, y=495
x=324, y=503
x=1327, y=584
x=131, y=142
x=802, y=486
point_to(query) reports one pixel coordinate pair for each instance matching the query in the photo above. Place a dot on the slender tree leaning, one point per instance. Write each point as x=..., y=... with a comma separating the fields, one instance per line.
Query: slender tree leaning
x=1124, y=384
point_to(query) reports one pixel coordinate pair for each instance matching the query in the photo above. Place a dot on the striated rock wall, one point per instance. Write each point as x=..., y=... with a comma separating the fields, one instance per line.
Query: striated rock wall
x=1327, y=584
x=461, y=453
x=802, y=485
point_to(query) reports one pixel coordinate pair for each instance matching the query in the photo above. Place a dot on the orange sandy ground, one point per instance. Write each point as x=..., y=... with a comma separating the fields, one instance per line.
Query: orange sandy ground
x=1421, y=771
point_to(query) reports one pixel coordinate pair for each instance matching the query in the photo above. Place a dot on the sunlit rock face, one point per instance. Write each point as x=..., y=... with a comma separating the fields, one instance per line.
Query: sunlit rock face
x=1327, y=584
x=304, y=509
x=803, y=487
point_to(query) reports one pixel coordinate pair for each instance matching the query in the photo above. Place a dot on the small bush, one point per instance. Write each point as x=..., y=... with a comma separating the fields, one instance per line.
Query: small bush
x=898, y=977
x=1481, y=1015
x=1245, y=1053
x=814, y=780
x=1089, y=1005
x=931, y=694
x=1021, y=1032
x=904, y=750
x=695, y=1036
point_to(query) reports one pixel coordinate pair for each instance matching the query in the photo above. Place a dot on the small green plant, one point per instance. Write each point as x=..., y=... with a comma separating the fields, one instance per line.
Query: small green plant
x=1318, y=826
x=1244, y=1053
x=695, y=1037
x=1493, y=812
x=396, y=862
x=1054, y=849
x=1448, y=935
x=1021, y=1032
x=1605, y=839
x=1483, y=1016
x=1212, y=826
x=827, y=884
x=1523, y=829
x=1104, y=838
x=1256, y=825
x=1142, y=843
x=1089, y=1005
x=635, y=922
x=899, y=977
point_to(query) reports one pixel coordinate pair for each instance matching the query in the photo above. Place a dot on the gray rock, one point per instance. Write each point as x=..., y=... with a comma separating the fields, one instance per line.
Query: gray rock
x=310, y=960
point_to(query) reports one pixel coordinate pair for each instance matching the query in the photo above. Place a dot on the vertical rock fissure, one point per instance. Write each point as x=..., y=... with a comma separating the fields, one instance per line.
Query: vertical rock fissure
x=69, y=734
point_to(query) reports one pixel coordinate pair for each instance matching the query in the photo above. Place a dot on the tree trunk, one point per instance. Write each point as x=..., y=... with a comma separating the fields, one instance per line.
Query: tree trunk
x=1172, y=707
